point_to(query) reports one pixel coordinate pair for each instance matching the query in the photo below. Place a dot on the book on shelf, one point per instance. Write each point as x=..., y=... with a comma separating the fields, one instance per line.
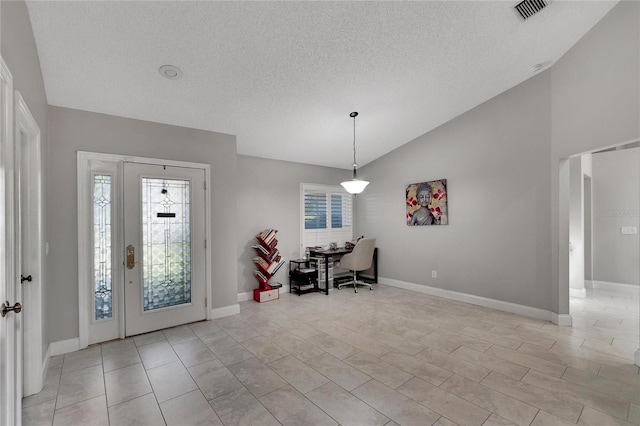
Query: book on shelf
x=273, y=268
x=268, y=269
x=262, y=249
x=260, y=276
x=268, y=235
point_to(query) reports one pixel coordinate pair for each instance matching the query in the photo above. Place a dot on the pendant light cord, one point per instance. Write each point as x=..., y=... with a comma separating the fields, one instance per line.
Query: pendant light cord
x=354, y=115
x=354, y=142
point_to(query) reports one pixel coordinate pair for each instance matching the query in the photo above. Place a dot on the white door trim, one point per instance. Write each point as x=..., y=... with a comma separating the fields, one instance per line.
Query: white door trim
x=10, y=391
x=29, y=171
x=84, y=234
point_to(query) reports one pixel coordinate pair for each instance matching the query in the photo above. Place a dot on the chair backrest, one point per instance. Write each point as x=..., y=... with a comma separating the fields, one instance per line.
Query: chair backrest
x=361, y=256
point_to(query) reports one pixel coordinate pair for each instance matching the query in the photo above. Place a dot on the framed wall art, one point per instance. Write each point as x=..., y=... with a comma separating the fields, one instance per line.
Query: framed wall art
x=427, y=203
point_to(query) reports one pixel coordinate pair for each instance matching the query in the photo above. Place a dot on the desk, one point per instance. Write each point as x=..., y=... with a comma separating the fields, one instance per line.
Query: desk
x=326, y=254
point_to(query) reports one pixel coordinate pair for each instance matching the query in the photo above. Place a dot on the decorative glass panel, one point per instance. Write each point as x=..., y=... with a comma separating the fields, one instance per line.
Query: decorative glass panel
x=102, y=246
x=166, y=243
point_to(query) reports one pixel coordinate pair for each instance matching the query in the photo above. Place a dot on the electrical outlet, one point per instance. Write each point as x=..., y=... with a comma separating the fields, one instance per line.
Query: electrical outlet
x=434, y=274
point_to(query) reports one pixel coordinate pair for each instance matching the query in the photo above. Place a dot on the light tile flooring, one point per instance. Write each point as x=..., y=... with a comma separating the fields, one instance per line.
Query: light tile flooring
x=387, y=356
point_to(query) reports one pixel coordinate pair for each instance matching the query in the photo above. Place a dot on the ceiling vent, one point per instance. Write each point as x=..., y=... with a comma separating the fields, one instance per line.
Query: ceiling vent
x=527, y=8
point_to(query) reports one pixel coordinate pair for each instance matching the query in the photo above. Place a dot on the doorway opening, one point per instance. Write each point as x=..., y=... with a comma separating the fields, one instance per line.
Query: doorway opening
x=603, y=209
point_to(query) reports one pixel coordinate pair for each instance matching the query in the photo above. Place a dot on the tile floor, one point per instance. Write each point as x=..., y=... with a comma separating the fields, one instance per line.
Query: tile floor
x=382, y=357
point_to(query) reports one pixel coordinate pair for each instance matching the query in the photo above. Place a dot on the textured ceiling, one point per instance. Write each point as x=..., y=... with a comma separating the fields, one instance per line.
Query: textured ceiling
x=284, y=76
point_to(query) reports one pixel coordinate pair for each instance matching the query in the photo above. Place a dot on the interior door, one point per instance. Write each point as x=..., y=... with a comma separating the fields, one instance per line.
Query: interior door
x=28, y=248
x=10, y=332
x=10, y=351
x=164, y=237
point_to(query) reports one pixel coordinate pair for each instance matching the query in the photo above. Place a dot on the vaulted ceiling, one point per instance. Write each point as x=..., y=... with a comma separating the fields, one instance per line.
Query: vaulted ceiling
x=284, y=76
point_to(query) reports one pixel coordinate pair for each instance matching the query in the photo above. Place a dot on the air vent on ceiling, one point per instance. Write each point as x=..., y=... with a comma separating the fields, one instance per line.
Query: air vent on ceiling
x=527, y=8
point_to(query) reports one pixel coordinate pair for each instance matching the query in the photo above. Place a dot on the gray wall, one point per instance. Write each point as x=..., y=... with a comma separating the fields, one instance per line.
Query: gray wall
x=616, y=201
x=496, y=162
x=268, y=196
x=18, y=49
x=594, y=103
x=73, y=130
x=508, y=234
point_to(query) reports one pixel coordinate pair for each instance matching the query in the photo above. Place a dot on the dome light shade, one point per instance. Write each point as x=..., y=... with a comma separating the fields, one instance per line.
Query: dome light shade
x=354, y=186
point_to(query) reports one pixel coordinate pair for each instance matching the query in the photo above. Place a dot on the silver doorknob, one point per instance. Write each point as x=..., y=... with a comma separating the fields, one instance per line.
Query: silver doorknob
x=6, y=308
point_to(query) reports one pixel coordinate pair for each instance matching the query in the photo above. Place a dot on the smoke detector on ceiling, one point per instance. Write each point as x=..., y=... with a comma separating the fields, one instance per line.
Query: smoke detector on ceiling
x=170, y=71
x=527, y=8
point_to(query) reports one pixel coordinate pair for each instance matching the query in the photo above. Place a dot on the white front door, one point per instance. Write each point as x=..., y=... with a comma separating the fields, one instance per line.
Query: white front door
x=164, y=238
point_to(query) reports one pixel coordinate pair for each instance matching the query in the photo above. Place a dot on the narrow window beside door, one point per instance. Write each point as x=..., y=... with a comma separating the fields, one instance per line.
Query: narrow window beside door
x=102, y=271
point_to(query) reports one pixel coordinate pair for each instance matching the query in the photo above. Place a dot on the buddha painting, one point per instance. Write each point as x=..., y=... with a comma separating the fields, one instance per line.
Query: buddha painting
x=426, y=203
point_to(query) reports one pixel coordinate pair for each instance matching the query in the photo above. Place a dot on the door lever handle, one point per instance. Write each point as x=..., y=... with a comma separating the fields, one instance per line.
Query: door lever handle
x=6, y=308
x=27, y=278
x=131, y=257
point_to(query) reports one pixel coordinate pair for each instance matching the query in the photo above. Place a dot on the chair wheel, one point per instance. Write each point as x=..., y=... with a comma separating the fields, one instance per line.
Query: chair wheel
x=370, y=288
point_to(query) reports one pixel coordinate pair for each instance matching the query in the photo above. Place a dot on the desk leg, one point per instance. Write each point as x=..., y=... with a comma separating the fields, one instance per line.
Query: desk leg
x=375, y=265
x=326, y=275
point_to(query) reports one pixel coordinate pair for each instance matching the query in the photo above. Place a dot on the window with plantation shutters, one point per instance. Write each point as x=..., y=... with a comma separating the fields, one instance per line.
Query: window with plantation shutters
x=327, y=216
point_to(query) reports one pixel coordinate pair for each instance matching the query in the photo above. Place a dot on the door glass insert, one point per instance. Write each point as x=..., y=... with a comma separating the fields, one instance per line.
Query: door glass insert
x=166, y=243
x=103, y=303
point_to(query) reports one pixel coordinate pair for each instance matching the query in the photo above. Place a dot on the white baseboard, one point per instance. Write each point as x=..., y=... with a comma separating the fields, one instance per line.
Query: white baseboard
x=580, y=293
x=561, y=319
x=616, y=287
x=248, y=295
x=588, y=284
x=513, y=308
x=225, y=311
x=64, y=346
x=637, y=357
x=243, y=297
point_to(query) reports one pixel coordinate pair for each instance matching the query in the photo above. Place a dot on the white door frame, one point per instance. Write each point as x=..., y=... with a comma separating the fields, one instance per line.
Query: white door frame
x=28, y=173
x=85, y=259
x=10, y=375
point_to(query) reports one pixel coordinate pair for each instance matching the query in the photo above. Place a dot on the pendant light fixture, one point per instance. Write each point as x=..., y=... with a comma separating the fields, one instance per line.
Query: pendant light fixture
x=354, y=186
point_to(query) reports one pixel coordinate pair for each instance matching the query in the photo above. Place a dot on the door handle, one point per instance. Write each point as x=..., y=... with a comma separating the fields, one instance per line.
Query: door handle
x=6, y=308
x=28, y=278
x=131, y=257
